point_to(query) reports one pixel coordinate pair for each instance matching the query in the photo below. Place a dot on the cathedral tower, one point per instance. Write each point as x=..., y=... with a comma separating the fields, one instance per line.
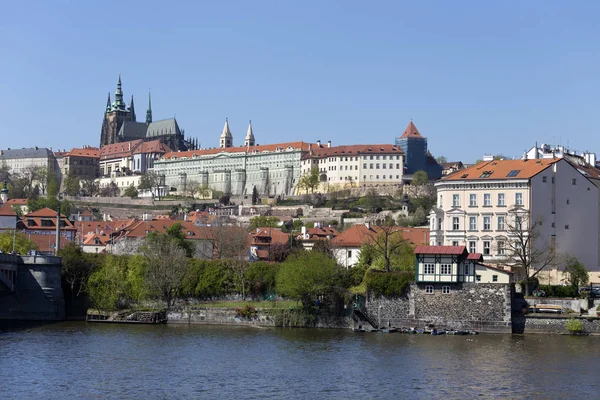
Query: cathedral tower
x=226, y=139
x=114, y=116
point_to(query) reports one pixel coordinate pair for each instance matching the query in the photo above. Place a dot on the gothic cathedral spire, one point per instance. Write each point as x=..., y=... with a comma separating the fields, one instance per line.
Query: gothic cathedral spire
x=119, y=104
x=149, y=110
x=132, y=110
x=108, y=103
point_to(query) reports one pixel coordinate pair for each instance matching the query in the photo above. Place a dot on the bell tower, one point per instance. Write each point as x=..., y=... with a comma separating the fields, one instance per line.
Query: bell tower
x=114, y=116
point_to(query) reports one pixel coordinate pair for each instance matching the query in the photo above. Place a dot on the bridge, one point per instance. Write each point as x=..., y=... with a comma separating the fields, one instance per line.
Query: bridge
x=30, y=287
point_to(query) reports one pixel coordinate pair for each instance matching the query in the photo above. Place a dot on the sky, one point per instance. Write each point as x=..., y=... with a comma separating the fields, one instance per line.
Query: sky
x=476, y=77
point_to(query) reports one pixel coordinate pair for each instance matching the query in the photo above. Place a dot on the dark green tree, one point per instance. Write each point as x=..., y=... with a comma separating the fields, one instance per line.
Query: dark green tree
x=254, y=195
x=420, y=178
x=131, y=191
x=575, y=273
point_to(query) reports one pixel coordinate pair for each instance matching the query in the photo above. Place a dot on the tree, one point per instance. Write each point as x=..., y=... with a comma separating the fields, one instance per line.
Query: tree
x=71, y=184
x=309, y=181
x=575, y=273
x=4, y=172
x=306, y=275
x=261, y=221
x=525, y=250
x=131, y=191
x=203, y=191
x=77, y=267
x=53, y=186
x=420, y=178
x=110, y=190
x=441, y=160
x=192, y=188
x=22, y=244
x=42, y=177
x=324, y=246
x=388, y=244
x=167, y=264
x=254, y=195
x=150, y=181
x=89, y=187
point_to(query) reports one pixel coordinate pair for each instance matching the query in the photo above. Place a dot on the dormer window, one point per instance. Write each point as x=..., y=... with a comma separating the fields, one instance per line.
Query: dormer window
x=513, y=173
x=486, y=174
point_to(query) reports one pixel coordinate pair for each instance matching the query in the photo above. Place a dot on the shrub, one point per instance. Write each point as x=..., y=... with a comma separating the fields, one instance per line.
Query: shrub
x=246, y=312
x=559, y=291
x=381, y=283
x=574, y=325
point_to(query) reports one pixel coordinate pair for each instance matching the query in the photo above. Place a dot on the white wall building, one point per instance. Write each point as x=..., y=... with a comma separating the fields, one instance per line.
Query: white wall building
x=477, y=205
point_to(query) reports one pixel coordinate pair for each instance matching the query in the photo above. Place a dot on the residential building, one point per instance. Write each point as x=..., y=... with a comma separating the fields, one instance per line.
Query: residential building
x=84, y=163
x=485, y=206
x=346, y=246
x=262, y=241
x=23, y=161
x=315, y=234
x=355, y=165
x=273, y=169
x=8, y=217
x=417, y=157
x=451, y=167
x=44, y=221
x=120, y=125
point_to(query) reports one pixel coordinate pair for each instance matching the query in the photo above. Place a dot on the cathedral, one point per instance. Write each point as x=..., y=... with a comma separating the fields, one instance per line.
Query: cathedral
x=120, y=125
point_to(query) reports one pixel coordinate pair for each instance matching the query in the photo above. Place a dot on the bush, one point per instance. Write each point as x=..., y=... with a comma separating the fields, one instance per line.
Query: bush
x=261, y=278
x=387, y=284
x=574, y=325
x=559, y=291
x=246, y=312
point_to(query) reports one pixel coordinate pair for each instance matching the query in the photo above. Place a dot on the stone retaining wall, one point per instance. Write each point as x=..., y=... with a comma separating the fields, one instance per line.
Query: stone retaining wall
x=553, y=324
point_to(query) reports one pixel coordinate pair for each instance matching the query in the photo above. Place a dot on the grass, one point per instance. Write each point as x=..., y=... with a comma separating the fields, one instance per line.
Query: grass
x=240, y=304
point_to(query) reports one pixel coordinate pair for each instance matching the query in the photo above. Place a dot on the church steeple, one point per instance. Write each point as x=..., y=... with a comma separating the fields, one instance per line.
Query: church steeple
x=149, y=110
x=249, y=140
x=132, y=110
x=226, y=139
x=119, y=104
x=108, y=103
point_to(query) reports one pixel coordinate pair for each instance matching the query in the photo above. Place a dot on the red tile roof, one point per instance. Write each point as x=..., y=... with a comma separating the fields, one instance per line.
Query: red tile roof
x=475, y=256
x=7, y=211
x=91, y=152
x=500, y=169
x=240, y=149
x=323, y=151
x=440, y=250
x=43, y=212
x=357, y=235
x=117, y=150
x=154, y=146
x=411, y=131
x=275, y=235
x=46, y=243
x=17, y=202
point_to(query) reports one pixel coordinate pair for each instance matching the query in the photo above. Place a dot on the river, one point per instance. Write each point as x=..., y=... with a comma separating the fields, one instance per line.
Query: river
x=96, y=361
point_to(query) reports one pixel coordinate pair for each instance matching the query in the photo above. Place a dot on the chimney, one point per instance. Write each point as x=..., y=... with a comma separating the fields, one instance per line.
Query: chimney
x=129, y=146
x=368, y=225
x=318, y=143
x=329, y=143
x=304, y=233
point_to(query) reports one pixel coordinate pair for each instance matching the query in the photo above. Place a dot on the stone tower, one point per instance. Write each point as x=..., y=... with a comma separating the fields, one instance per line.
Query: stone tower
x=114, y=116
x=226, y=139
x=249, y=140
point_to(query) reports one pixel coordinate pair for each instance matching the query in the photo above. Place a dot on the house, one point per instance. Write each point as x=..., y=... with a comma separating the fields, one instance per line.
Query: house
x=263, y=239
x=18, y=204
x=451, y=167
x=44, y=222
x=488, y=206
x=8, y=217
x=97, y=236
x=310, y=236
x=446, y=268
x=346, y=245
x=47, y=243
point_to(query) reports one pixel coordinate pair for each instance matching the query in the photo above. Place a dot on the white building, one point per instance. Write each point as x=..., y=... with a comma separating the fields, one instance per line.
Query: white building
x=22, y=161
x=355, y=165
x=476, y=207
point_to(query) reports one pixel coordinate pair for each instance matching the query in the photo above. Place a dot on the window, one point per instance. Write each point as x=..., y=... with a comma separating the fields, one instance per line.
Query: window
x=429, y=289
x=519, y=199
x=567, y=201
x=446, y=289
x=391, y=166
x=544, y=179
x=472, y=200
x=518, y=222
x=486, y=174
x=513, y=173
x=487, y=223
x=383, y=165
x=566, y=226
x=487, y=200
x=455, y=224
x=446, y=269
x=472, y=223
x=455, y=200
x=466, y=269
x=574, y=181
x=501, y=199
x=494, y=278
x=349, y=253
x=501, y=223
x=377, y=166
x=478, y=278
x=501, y=247
x=429, y=269
x=486, y=247
x=472, y=246
x=455, y=243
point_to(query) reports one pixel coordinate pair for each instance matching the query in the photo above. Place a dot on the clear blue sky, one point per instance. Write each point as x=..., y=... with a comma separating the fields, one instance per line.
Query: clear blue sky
x=475, y=76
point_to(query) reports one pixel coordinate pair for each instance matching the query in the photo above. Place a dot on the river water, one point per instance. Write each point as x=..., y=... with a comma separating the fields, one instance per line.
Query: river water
x=97, y=361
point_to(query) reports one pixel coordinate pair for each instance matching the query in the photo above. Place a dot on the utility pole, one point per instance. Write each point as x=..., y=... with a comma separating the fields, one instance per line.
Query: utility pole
x=15, y=236
x=57, y=246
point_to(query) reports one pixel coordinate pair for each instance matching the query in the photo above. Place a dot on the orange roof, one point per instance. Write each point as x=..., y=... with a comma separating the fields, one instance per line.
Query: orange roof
x=46, y=243
x=357, y=235
x=117, y=150
x=323, y=151
x=103, y=226
x=17, y=202
x=440, y=250
x=7, y=211
x=91, y=152
x=411, y=131
x=90, y=239
x=43, y=212
x=502, y=169
x=276, y=235
x=154, y=146
x=240, y=149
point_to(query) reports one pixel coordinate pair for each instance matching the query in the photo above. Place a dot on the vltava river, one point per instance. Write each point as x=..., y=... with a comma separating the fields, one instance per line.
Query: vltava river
x=76, y=360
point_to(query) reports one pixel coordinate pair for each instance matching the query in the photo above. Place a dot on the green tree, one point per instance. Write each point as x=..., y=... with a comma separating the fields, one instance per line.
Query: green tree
x=71, y=184
x=441, y=160
x=420, y=178
x=306, y=275
x=575, y=273
x=53, y=186
x=22, y=243
x=390, y=248
x=131, y=191
x=261, y=221
x=150, y=181
x=107, y=284
x=254, y=195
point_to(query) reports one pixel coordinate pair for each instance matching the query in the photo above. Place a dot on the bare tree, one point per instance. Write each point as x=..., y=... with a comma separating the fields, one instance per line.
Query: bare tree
x=525, y=251
x=387, y=241
x=150, y=181
x=89, y=187
x=166, y=266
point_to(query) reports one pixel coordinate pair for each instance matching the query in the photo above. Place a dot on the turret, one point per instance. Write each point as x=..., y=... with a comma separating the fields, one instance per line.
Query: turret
x=119, y=104
x=149, y=110
x=249, y=140
x=132, y=110
x=226, y=139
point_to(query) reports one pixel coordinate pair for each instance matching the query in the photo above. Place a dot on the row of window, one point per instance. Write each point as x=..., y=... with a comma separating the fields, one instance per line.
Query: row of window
x=487, y=200
x=487, y=247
